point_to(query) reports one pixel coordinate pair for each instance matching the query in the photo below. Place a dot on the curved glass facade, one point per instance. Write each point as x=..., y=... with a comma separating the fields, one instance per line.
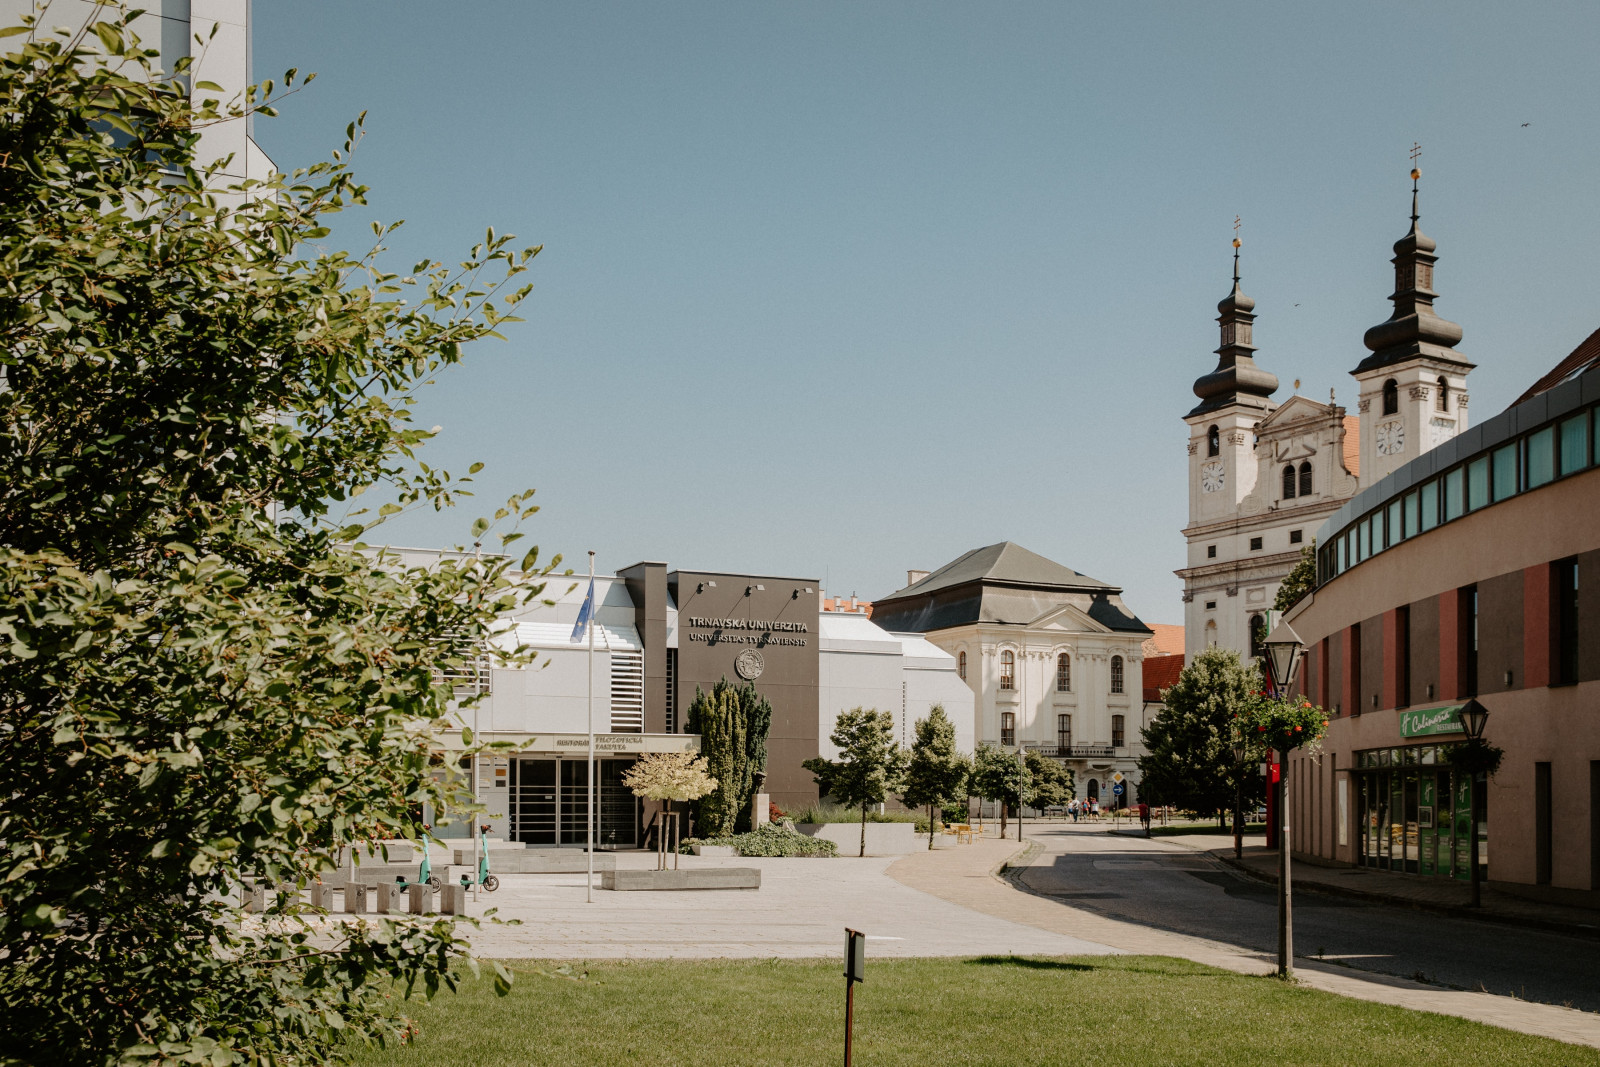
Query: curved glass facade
x=1542, y=440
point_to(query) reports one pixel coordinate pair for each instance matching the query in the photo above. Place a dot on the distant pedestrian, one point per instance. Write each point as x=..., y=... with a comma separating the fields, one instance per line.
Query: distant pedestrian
x=1144, y=817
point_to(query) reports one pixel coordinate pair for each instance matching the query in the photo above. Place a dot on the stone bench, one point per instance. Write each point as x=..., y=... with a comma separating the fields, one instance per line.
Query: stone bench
x=534, y=861
x=696, y=878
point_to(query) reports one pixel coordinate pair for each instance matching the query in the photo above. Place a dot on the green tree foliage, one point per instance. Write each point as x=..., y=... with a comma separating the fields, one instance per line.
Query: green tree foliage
x=870, y=765
x=733, y=722
x=936, y=774
x=205, y=677
x=1300, y=580
x=1053, y=783
x=997, y=776
x=1189, y=760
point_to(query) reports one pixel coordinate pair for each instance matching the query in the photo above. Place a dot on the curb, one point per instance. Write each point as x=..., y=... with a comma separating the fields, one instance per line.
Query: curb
x=1453, y=910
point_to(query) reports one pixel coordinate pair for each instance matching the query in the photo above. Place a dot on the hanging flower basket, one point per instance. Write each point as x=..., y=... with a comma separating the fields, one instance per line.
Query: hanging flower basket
x=1282, y=725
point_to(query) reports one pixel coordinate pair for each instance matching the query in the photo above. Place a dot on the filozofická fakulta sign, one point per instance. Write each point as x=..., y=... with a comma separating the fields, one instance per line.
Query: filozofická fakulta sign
x=1428, y=721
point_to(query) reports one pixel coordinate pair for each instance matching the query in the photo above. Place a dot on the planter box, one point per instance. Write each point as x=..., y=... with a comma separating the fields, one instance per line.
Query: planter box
x=688, y=878
x=718, y=851
x=883, y=838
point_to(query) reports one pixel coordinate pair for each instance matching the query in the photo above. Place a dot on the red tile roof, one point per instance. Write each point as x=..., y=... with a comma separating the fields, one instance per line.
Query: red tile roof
x=1167, y=640
x=1581, y=358
x=1159, y=673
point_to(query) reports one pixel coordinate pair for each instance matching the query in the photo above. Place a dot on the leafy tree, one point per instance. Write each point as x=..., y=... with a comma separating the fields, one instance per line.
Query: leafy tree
x=997, y=776
x=1189, y=760
x=1053, y=783
x=870, y=764
x=936, y=774
x=205, y=676
x=1300, y=580
x=669, y=776
x=732, y=721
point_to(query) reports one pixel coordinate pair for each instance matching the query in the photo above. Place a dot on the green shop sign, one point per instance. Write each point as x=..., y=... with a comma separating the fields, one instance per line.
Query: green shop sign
x=1422, y=723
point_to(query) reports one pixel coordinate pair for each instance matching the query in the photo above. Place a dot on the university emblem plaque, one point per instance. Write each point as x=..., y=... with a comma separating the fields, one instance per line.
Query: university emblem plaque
x=749, y=665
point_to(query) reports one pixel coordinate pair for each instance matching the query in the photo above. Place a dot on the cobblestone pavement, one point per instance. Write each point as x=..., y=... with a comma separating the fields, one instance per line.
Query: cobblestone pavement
x=1158, y=897
x=801, y=910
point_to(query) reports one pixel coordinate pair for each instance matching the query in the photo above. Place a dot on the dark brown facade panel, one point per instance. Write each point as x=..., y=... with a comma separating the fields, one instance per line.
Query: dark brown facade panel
x=1371, y=681
x=1589, y=616
x=1500, y=604
x=1424, y=651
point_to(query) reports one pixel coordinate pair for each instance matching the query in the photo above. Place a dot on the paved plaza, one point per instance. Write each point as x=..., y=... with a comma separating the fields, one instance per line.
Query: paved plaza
x=800, y=910
x=1075, y=890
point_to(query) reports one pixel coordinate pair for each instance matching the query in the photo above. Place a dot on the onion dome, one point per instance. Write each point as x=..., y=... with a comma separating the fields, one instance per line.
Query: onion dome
x=1237, y=379
x=1413, y=331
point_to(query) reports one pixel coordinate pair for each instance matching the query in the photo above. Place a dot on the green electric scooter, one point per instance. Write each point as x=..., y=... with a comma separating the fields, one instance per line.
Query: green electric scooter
x=425, y=875
x=488, y=881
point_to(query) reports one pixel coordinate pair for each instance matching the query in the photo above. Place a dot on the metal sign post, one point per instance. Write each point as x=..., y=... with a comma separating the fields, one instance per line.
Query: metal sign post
x=855, y=968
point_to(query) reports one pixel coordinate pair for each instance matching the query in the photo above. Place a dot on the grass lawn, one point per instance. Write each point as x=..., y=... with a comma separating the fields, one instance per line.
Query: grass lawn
x=1121, y=1010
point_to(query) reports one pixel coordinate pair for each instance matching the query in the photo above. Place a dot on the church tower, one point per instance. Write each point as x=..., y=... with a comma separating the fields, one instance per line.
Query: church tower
x=1233, y=398
x=1412, y=388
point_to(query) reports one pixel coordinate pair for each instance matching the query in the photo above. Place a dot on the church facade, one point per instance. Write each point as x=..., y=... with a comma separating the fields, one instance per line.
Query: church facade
x=1263, y=476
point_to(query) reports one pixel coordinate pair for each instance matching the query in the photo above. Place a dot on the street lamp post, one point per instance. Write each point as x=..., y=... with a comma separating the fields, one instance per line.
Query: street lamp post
x=1239, y=753
x=1022, y=770
x=1283, y=658
x=1474, y=716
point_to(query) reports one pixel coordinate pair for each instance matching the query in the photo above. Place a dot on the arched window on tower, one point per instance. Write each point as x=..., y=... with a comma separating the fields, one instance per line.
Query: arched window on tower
x=1288, y=482
x=961, y=664
x=1391, y=397
x=1211, y=633
x=1008, y=670
x=1213, y=442
x=1116, y=674
x=1063, y=673
x=1305, y=478
x=1444, y=394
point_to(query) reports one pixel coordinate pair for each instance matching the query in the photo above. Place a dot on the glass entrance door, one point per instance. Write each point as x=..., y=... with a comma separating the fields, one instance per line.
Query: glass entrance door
x=550, y=803
x=533, y=801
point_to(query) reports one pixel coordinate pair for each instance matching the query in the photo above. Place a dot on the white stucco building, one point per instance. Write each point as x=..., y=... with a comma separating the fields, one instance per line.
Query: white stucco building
x=1053, y=657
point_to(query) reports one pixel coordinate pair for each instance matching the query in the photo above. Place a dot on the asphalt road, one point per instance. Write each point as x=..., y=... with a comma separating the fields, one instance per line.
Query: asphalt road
x=1161, y=884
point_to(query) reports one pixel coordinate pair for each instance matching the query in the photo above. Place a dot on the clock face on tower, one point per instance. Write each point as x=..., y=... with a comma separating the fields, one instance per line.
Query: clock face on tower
x=1211, y=476
x=1391, y=439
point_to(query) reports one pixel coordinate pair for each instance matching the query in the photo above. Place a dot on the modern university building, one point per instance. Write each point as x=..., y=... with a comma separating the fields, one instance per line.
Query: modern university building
x=660, y=636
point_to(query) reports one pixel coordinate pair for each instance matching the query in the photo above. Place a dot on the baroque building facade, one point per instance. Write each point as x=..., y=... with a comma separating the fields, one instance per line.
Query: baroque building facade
x=1263, y=476
x=1053, y=657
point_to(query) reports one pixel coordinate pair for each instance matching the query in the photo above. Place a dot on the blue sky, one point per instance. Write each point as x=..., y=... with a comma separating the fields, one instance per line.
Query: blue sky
x=840, y=290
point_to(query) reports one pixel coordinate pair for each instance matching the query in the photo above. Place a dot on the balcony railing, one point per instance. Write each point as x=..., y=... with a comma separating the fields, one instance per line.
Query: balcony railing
x=1073, y=751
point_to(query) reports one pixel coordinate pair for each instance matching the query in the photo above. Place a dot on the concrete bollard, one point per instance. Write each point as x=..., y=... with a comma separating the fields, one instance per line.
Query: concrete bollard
x=254, y=897
x=453, y=899
x=321, y=896
x=390, y=899
x=355, y=898
x=421, y=899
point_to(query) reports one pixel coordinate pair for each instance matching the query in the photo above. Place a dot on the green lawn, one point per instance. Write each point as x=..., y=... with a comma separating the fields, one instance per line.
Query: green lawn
x=1121, y=1010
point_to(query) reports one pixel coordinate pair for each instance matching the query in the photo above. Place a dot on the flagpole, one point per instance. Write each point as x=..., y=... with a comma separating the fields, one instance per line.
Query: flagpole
x=593, y=611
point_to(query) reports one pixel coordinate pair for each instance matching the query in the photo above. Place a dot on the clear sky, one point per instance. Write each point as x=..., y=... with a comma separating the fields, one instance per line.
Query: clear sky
x=835, y=291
